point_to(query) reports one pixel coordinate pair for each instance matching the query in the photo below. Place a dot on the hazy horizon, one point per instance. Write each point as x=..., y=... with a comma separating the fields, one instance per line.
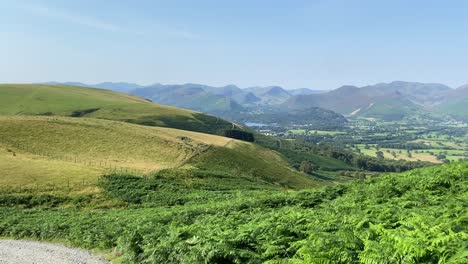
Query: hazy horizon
x=319, y=45
x=241, y=87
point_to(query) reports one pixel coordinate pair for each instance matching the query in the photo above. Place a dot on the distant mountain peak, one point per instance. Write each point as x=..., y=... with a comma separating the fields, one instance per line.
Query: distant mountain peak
x=251, y=98
x=463, y=87
x=276, y=91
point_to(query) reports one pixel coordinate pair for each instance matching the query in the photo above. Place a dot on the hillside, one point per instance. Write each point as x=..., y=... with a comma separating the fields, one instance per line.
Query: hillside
x=412, y=217
x=58, y=100
x=314, y=116
x=190, y=96
x=305, y=91
x=213, y=100
x=387, y=101
x=270, y=95
x=255, y=104
x=121, y=87
x=455, y=103
x=61, y=145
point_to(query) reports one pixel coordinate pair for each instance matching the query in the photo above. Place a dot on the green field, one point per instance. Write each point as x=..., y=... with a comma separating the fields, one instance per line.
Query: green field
x=59, y=100
x=318, y=132
x=422, y=155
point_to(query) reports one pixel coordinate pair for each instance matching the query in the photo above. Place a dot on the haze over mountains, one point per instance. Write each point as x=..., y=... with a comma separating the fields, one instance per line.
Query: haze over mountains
x=389, y=101
x=393, y=100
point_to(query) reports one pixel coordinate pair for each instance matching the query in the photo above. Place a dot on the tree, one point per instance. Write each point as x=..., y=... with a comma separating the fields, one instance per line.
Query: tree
x=307, y=167
x=239, y=134
x=379, y=154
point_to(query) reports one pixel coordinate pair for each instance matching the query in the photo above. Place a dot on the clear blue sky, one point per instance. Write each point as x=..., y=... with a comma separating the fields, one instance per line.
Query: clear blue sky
x=316, y=44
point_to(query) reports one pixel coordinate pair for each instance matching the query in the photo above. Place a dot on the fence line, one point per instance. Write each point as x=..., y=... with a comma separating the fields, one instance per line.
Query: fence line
x=111, y=167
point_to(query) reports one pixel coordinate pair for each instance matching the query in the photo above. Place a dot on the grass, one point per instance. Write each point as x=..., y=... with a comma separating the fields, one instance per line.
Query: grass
x=422, y=155
x=412, y=217
x=250, y=160
x=102, y=141
x=63, y=151
x=59, y=100
x=30, y=173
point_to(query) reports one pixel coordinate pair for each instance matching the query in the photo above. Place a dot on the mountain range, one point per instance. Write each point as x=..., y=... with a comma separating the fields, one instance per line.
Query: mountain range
x=389, y=101
x=394, y=100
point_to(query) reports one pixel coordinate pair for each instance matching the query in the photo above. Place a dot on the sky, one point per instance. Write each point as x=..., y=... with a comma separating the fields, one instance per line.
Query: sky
x=316, y=44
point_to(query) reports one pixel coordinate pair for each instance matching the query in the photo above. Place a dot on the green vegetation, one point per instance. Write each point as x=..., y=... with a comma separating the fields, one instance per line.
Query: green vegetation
x=414, y=217
x=318, y=132
x=457, y=106
x=60, y=100
x=408, y=140
x=146, y=192
x=391, y=109
x=64, y=151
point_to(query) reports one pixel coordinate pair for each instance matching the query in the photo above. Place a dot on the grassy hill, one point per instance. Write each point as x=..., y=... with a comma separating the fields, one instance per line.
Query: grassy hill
x=413, y=217
x=58, y=100
x=390, y=109
x=188, y=96
x=59, y=147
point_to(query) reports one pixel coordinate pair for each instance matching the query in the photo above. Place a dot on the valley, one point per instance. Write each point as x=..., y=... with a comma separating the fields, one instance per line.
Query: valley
x=233, y=132
x=140, y=182
x=435, y=141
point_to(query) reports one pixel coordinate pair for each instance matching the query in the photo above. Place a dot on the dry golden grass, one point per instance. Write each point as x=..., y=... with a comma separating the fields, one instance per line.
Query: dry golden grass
x=66, y=151
x=103, y=143
x=35, y=172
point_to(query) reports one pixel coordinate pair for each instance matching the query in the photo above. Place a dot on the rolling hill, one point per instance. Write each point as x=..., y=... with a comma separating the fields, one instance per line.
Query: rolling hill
x=62, y=150
x=58, y=100
x=122, y=87
x=190, y=96
x=72, y=134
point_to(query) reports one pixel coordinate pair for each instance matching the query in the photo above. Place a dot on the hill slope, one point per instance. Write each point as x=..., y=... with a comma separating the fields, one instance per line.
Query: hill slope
x=64, y=145
x=413, y=217
x=390, y=101
x=190, y=96
x=455, y=103
x=104, y=104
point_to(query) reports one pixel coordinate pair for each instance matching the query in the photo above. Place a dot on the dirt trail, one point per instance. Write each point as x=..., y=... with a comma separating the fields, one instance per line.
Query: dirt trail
x=32, y=252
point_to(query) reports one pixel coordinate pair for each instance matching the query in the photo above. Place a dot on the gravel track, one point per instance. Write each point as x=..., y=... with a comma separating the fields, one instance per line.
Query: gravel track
x=32, y=252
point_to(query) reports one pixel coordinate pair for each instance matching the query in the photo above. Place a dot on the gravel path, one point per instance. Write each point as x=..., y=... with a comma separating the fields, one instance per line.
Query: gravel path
x=31, y=252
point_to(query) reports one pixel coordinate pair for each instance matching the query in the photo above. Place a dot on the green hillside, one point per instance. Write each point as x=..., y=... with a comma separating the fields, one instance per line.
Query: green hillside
x=390, y=109
x=63, y=145
x=51, y=100
x=189, y=96
x=413, y=217
x=457, y=108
